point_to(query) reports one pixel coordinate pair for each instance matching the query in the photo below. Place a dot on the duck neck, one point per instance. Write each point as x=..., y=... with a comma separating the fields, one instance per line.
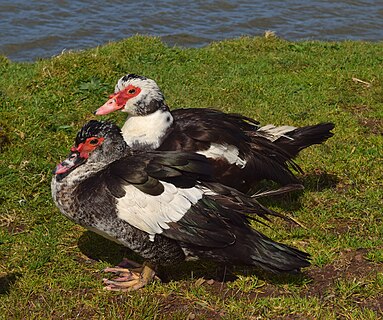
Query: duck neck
x=148, y=131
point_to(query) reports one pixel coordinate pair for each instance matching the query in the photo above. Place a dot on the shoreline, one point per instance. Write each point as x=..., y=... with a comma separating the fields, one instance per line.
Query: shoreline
x=51, y=268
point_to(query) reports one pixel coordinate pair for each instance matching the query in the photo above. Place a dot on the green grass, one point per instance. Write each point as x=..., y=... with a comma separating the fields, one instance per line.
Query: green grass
x=51, y=268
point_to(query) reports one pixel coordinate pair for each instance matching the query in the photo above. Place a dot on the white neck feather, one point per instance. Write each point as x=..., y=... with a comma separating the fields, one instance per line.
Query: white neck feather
x=147, y=131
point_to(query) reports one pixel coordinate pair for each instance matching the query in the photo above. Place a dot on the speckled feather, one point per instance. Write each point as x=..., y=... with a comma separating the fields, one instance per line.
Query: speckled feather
x=209, y=227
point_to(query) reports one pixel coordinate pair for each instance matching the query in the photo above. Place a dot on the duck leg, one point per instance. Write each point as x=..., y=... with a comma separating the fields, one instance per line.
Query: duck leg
x=130, y=279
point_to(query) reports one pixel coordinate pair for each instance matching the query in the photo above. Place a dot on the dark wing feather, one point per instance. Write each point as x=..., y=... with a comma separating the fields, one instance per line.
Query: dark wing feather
x=207, y=224
x=144, y=170
x=114, y=183
x=166, y=165
x=152, y=186
x=303, y=137
x=131, y=170
x=196, y=129
x=233, y=200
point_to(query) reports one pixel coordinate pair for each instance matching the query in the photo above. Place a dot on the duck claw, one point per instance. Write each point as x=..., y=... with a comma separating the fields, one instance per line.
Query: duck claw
x=129, y=279
x=132, y=285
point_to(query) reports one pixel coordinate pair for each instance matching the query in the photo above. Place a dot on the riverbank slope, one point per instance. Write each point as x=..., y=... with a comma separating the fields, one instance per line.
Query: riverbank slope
x=50, y=268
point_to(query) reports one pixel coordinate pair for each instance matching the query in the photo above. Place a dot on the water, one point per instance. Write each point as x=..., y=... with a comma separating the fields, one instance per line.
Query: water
x=36, y=29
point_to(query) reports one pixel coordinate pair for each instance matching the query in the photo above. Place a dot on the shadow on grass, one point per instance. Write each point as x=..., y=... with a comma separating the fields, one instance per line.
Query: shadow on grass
x=319, y=180
x=6, y=281
x=290, y=201
x=314, y=181
x=226, y=273
x=98, y=248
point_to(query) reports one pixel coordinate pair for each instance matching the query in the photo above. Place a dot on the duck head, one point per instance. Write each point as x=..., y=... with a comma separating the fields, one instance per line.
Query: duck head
x=97, y=143
x=134, y=94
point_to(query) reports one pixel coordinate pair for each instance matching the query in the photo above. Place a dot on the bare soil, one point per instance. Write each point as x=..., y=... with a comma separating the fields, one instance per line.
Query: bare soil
x=351, y=264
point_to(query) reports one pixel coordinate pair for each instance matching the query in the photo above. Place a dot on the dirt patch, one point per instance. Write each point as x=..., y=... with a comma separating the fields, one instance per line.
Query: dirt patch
x=375, y=304
x=350, y=264
x=341, y=226
x=373, y=125
x=11, y=222
x=343, y=187
x=222, y=290
x=14, y=228
x=358, y=109
x=315, y=282
x=193, y=309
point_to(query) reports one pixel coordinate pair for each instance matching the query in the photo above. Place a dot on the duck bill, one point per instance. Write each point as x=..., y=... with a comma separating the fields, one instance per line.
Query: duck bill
x=65, y=167
x=109, y=107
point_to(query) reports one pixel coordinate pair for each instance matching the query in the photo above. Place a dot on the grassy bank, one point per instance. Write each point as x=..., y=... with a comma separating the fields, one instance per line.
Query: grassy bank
x=51, y=268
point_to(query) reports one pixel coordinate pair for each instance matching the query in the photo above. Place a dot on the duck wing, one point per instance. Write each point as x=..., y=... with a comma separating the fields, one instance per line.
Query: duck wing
x=163, y=193
x=241, y=158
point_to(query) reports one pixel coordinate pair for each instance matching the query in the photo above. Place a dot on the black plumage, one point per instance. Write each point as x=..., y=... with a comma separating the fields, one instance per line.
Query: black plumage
x=303, y=137
x=241, y=151
x=163, y=205
x=195, y=129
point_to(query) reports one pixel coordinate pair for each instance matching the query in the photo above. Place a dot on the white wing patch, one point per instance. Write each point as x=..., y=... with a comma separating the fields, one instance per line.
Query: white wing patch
x=153, y=213
x=273, y=133
x=229, y=152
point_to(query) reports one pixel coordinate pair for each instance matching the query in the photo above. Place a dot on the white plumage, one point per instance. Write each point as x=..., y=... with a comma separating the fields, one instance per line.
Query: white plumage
x=228, y=152
x=147, y=130
x=149, y=92
x=273, y=132
x=153, y=213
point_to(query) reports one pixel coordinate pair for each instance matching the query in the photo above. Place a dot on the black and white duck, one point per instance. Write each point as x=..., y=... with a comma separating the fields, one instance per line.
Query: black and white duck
x=163, y=205
x=242, y=152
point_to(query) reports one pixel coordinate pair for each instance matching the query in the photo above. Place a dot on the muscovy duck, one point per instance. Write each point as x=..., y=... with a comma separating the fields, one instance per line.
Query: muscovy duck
x=242, y=152
x=164, y=205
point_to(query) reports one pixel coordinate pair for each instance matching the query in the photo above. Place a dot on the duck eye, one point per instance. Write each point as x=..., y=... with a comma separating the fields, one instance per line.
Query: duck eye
x=93, y=142
x=131, y=91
